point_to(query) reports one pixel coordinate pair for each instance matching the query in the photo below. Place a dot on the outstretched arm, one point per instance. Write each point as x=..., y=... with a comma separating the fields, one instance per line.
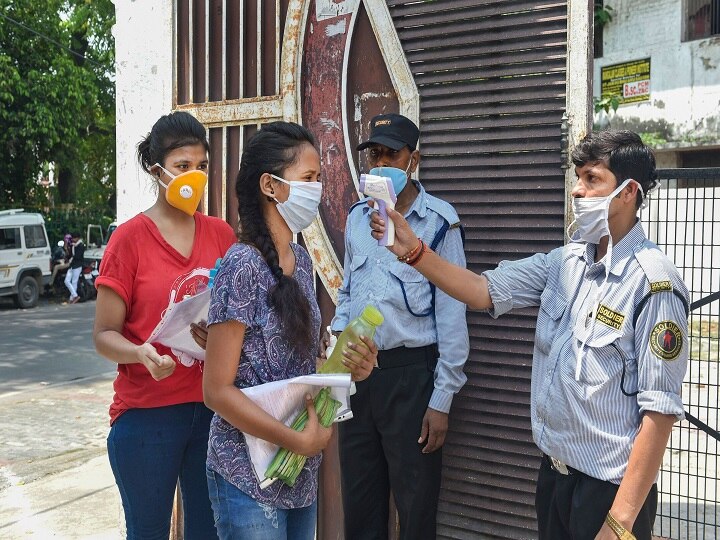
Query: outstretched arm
x=460, y=283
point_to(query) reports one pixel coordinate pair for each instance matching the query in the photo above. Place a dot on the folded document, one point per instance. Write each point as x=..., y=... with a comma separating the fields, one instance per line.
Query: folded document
x=284, y=400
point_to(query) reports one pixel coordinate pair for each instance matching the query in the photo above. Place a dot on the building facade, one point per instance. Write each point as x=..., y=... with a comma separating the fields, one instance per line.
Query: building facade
x=662, y=58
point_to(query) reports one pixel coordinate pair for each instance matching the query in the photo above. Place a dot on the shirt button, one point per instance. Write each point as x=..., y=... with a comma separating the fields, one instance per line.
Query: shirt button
x=377, y=262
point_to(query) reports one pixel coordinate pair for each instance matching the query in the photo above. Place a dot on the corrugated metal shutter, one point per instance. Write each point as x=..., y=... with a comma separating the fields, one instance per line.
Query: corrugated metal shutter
x=491, y=77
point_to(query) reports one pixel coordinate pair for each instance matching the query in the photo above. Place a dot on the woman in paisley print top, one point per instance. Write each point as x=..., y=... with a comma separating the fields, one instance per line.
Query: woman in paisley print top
x=264, y=325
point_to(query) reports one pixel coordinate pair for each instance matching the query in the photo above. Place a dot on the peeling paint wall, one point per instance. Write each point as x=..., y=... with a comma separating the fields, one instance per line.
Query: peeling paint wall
x=144, y=85
x=684, y=78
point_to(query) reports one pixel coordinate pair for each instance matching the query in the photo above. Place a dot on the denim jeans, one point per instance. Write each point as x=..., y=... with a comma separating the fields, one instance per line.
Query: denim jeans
x=149, y=450
x=240, y=517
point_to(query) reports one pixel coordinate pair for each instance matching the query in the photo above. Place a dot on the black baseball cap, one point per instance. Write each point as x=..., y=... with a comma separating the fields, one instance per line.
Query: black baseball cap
x=392, y=130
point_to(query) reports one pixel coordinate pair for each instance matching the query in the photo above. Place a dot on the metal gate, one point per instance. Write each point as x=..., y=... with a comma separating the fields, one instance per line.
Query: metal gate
x=683, y=218
x=491, y=78
x=486, y=83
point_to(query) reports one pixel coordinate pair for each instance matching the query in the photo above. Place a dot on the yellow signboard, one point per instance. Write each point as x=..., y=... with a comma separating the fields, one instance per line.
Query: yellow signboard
x=630, y=81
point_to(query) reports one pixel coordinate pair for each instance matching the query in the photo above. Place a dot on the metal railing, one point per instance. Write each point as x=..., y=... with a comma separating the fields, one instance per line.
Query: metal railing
x=683, y=218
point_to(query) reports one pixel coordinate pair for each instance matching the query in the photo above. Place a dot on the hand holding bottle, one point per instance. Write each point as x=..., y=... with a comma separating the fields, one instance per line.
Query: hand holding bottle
x=355, y=351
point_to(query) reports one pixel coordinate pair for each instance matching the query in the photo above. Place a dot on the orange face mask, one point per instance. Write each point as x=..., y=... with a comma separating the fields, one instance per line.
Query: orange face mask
x=185, y=190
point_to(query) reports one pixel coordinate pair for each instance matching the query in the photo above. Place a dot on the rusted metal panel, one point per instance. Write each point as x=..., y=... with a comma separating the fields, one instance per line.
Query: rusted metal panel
x=251, y=40
x=321, y=97
x=216, y=53
x=198, y=29
x=234, y=150
x=182, y=51
x=270, y=45
x=232, y=45
x=369, y=88
x=235, y=112
x=215, y=178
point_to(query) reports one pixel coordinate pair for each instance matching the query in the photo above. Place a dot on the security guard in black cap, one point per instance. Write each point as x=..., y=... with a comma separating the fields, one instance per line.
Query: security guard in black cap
x=394, y=441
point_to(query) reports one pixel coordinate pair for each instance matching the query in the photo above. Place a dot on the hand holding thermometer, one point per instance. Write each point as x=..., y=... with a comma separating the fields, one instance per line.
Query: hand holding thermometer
x=381, y=189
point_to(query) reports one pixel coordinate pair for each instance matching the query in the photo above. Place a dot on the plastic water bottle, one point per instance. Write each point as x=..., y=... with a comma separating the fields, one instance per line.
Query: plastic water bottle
x=364, y=325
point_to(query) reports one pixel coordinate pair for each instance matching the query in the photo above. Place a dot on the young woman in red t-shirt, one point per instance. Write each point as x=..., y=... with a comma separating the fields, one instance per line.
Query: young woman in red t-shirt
x=159, y=423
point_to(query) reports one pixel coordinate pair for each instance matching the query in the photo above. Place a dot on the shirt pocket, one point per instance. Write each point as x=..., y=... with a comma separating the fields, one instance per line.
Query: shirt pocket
x=357, y=262
x=552, y=308
x=358, y=267
x=604, y=358
x=410, y=291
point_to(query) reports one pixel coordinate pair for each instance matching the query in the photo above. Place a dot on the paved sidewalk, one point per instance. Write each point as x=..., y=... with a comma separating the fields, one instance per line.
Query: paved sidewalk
x=79, y=502
x=55, y=478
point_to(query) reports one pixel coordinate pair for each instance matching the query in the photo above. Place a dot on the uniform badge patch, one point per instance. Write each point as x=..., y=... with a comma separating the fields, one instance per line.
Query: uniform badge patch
x=609, y=317
x=660, y=286
x=666, y=340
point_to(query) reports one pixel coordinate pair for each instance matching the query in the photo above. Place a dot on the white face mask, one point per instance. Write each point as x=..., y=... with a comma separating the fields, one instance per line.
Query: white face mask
x=302, y=204
x=591, y=215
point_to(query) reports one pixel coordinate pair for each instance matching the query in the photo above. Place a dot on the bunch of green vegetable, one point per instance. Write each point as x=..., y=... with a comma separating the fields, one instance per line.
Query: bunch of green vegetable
x=286, y=465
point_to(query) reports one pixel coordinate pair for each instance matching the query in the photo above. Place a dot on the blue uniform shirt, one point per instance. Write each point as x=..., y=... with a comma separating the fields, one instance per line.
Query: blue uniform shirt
x=373, y=274
x=589, y=423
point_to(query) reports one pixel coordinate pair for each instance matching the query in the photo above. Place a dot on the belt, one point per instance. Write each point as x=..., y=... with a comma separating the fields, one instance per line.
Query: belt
x=560, y=467
x=407, y=356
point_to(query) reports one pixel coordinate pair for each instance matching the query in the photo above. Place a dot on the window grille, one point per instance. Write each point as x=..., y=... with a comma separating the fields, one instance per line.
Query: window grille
x=701, y=19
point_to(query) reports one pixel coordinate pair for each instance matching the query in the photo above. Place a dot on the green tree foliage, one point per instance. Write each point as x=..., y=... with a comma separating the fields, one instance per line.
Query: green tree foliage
x=57, y=102
x=603, y=14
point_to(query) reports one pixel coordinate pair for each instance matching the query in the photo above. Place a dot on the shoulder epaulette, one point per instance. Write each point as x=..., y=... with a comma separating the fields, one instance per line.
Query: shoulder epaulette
x=653, y=264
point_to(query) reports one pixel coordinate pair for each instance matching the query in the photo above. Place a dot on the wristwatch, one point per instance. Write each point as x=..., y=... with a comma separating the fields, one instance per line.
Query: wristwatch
x=621, y=532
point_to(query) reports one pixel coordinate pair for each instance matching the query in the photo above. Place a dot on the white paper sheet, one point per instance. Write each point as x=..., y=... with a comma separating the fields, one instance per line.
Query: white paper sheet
x=173, y=330
x=284, y=400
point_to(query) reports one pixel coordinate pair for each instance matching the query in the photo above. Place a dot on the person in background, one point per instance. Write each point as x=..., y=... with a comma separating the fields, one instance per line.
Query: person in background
x=263, y=326
x=61, y=257
x=400, y=413
x=75, y=267
x=611, y=345
x=159, y=422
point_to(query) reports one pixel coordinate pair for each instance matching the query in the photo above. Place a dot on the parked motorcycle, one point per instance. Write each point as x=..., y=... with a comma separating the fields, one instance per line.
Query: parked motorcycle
x=86, y=284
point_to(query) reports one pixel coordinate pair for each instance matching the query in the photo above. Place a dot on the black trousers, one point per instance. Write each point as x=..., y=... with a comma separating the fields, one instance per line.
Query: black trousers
x=574, y=506
x=379, y=449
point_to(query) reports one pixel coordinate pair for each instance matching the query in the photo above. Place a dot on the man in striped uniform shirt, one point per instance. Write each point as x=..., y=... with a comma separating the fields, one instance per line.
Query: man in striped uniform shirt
x=611, y=345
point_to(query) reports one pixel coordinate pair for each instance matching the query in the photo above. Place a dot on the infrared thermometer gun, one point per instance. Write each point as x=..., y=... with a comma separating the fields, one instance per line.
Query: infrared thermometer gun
x=381, y=189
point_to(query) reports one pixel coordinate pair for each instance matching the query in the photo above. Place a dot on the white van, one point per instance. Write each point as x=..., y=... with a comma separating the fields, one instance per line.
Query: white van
x=97, y=242
x=24, y=256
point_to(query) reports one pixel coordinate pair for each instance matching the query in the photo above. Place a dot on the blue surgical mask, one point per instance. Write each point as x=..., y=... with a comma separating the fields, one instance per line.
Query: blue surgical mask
x=397, y=176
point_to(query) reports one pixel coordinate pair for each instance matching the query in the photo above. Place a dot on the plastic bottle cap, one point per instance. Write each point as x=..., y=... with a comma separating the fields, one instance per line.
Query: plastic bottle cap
x=372, y=315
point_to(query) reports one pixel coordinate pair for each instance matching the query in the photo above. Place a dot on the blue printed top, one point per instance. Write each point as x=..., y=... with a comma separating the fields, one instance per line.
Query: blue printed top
x=240, y=293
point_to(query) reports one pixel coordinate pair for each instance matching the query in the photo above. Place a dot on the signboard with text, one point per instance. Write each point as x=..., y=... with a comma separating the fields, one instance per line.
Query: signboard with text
x=630, y=81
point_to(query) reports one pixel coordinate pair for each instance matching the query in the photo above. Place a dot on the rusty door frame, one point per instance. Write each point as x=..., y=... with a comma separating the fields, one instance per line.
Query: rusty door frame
x=286, y=105
x=327, y=264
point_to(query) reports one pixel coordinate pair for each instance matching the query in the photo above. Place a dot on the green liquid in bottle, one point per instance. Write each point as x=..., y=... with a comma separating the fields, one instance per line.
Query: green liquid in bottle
x=364, y=325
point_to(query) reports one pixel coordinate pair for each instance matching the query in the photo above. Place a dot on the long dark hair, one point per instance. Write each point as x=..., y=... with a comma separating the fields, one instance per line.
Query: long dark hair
x=170, y=132
x=272, y=150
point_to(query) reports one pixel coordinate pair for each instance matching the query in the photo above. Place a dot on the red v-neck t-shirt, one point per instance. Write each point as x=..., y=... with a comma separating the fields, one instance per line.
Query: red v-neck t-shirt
x=149, y=274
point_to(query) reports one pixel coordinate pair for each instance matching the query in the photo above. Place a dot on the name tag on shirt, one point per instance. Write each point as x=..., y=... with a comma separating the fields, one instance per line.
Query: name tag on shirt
x=609, y=317
x=660, y=286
